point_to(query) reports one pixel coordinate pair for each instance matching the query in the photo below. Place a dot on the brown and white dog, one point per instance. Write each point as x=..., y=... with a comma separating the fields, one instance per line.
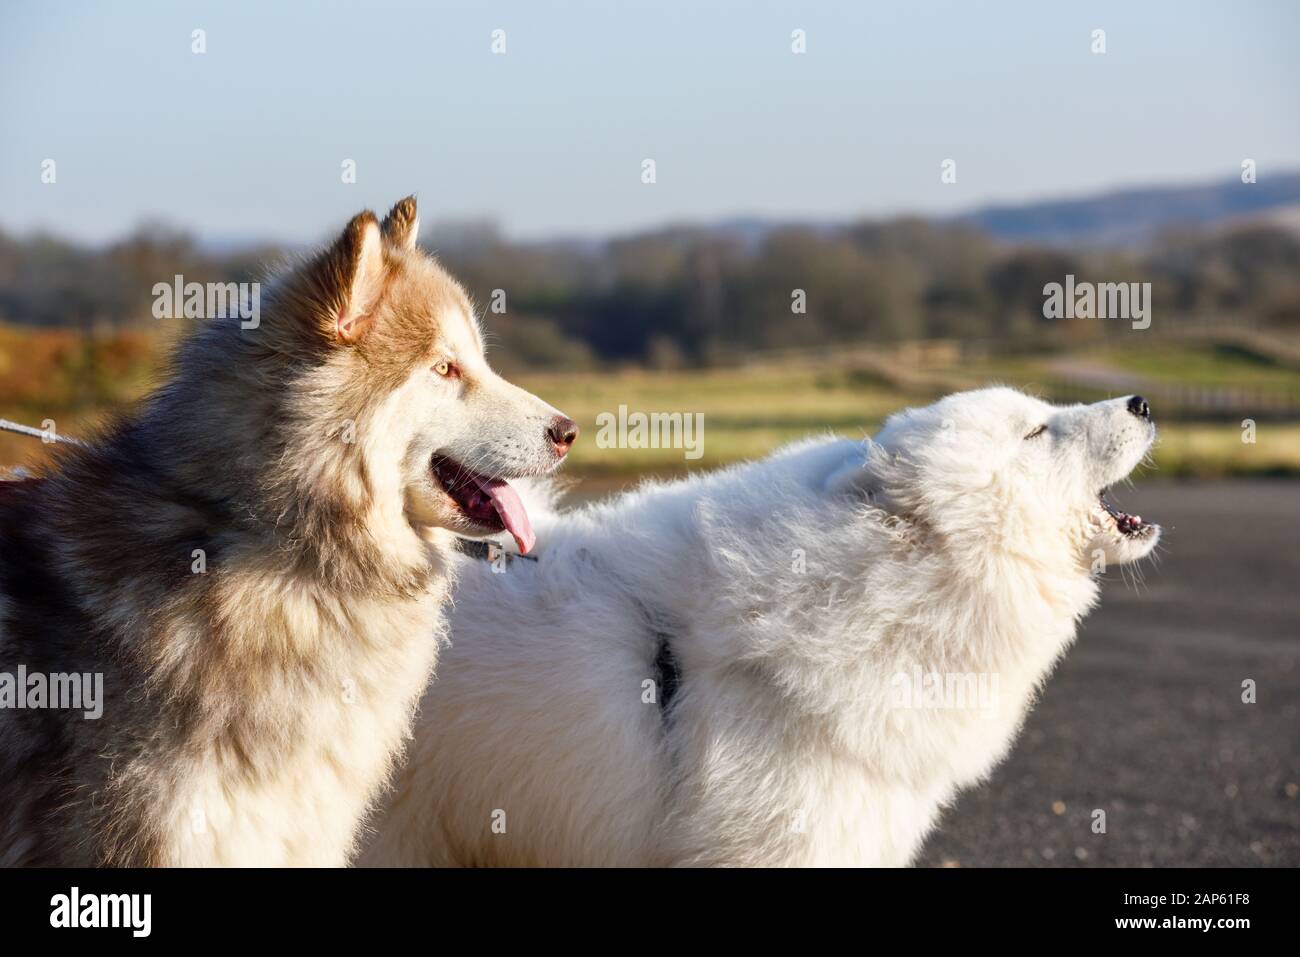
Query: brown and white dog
x=253, y=565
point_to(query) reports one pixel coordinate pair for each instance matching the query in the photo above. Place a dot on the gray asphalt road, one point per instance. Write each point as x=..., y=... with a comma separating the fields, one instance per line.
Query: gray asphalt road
x=1144, y=718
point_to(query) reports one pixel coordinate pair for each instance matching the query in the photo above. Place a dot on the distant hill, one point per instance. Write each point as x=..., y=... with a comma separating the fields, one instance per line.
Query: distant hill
x=1131, y=217
x=1127, y=218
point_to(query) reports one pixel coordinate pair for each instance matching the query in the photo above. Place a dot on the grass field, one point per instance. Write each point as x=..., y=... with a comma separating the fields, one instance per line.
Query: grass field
x=747, y=413
x=1171, y=363
x=74, y=379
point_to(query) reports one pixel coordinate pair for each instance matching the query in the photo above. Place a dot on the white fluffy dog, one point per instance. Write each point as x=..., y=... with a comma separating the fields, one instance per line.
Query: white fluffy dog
x=792, y=662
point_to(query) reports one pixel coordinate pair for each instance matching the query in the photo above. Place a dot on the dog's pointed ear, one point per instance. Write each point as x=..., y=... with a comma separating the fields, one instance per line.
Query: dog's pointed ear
x=402, y=224
x=355, y=266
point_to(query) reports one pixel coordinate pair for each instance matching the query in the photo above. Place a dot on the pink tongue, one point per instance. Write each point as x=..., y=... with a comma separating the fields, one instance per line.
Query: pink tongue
x=511, y=510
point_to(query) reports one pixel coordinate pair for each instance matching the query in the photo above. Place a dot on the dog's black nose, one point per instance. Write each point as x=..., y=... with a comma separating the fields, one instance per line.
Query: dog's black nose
x=1139, y=407
x=563, y=432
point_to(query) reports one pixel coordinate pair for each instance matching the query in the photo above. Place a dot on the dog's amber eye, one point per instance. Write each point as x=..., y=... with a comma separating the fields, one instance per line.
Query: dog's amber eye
x=1037, y=432
x=446, y=369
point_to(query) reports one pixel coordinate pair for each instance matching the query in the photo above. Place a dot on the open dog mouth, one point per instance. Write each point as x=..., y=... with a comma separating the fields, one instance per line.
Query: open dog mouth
x=1130, y=525
x=484, y=500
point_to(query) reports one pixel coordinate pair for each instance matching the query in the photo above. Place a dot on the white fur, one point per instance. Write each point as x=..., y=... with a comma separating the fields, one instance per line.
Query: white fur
x=794, y=590
x=362, y=691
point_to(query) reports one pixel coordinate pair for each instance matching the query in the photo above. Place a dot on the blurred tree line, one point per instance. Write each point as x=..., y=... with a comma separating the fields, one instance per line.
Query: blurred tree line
x=696, y=296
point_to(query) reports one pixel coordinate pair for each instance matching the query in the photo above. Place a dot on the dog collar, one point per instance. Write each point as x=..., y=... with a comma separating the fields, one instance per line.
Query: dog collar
x=490, y=552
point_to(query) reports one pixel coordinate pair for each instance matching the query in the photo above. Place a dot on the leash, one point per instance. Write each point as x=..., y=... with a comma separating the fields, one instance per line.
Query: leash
x=34, y=433
x=490, y=552
x=487, y=551
x=666, y=665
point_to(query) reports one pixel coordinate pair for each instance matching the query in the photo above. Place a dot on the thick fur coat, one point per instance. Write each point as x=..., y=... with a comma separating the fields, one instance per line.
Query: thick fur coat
x=255, y=564
x=854, y=631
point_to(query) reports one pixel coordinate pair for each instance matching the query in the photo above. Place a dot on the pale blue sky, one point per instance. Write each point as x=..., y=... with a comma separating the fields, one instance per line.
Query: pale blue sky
x=247, y=139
